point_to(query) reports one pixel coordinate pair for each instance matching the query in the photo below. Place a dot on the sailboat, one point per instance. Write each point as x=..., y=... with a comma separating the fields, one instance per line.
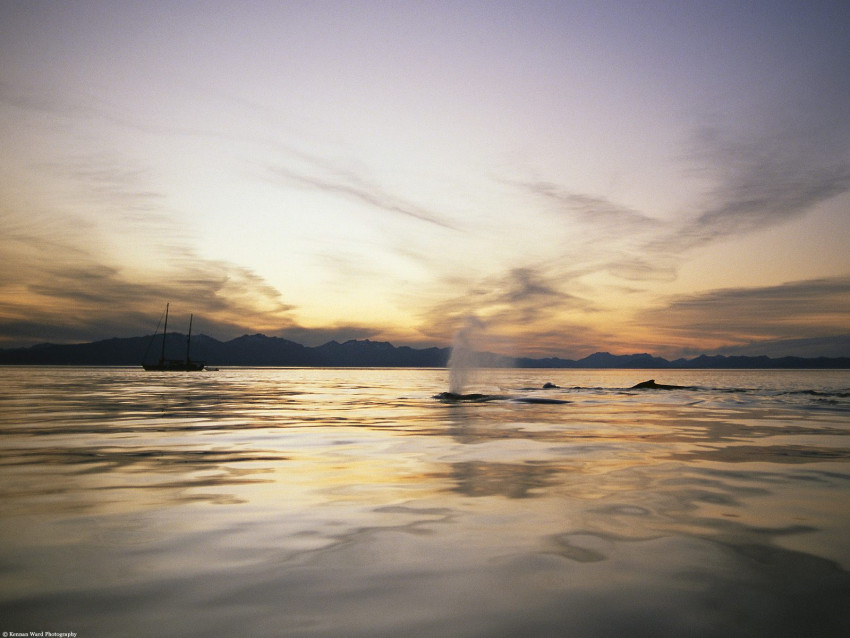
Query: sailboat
x=174, y=365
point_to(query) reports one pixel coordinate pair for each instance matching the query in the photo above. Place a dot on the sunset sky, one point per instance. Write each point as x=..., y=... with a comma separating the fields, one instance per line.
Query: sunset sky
x=663, y=177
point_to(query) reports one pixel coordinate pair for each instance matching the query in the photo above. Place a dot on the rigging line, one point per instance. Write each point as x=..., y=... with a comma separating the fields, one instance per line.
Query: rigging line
x=155, y=332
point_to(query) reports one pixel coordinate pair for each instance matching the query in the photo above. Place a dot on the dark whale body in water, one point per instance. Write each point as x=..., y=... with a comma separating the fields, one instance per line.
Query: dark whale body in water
x=454, y=397
x=651, y=385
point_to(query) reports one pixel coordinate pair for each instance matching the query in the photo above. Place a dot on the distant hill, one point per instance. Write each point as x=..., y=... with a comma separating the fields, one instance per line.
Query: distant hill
x=718, y=362
x=247, y=350
x=836, y=345
x=260, y=350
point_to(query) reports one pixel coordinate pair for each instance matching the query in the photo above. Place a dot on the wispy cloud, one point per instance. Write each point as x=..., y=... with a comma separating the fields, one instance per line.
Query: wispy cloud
x=69, y=297
x=521, y=299
x=775, y=173
x=601, y=214
x=320, y=174
x=607, y=236
x=79, y=106
x=112, y=183
x=738, y=316
x=759, y=182
x=27, y=100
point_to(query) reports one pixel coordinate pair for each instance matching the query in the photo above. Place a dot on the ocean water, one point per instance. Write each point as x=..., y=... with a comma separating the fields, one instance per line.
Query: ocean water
x=348, y=503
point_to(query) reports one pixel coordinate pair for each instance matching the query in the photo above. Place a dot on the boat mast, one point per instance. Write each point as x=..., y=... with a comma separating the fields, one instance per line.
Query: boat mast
x=164, y=335
x=189, y=340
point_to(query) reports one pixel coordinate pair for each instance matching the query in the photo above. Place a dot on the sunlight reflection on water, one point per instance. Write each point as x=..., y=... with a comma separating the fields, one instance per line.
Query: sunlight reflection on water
x=351, y=503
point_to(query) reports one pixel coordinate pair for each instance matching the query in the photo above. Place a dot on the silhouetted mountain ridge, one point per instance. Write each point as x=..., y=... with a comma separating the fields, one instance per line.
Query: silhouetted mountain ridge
x=261, y=350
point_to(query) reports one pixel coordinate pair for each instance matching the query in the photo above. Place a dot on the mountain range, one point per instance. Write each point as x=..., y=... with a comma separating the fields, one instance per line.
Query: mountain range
x=260, y=350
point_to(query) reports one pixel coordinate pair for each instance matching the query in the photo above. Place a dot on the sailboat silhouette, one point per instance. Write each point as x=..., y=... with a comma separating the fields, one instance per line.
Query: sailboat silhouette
x=174, y=365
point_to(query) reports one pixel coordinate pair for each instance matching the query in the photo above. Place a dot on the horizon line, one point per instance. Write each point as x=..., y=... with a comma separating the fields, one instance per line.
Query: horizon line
x=703, y=354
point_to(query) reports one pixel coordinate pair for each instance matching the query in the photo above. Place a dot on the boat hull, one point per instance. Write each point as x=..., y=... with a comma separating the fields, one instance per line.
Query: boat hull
x=174, y=366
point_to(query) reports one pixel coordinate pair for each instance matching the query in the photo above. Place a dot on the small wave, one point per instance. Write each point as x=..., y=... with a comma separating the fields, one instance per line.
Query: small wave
x=838, y=394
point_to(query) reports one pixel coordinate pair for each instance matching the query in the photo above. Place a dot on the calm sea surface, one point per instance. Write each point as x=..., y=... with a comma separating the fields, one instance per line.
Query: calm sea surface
x=348, y=503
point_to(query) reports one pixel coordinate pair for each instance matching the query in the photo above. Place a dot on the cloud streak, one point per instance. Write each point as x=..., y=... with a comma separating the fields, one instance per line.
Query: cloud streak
x=57, y=301
x=758, y=180
x=606, y=236
x=512, y=305
x=324, y=176
x=739, y=316
x=760, y=183
x=602, y=214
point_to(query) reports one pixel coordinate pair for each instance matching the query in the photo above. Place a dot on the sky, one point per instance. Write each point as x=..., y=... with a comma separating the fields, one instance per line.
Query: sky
x=568, y=177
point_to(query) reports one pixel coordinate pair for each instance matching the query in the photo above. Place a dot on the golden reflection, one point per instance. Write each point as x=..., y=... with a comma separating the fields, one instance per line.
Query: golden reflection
x=511, y=480
x=288, y=491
